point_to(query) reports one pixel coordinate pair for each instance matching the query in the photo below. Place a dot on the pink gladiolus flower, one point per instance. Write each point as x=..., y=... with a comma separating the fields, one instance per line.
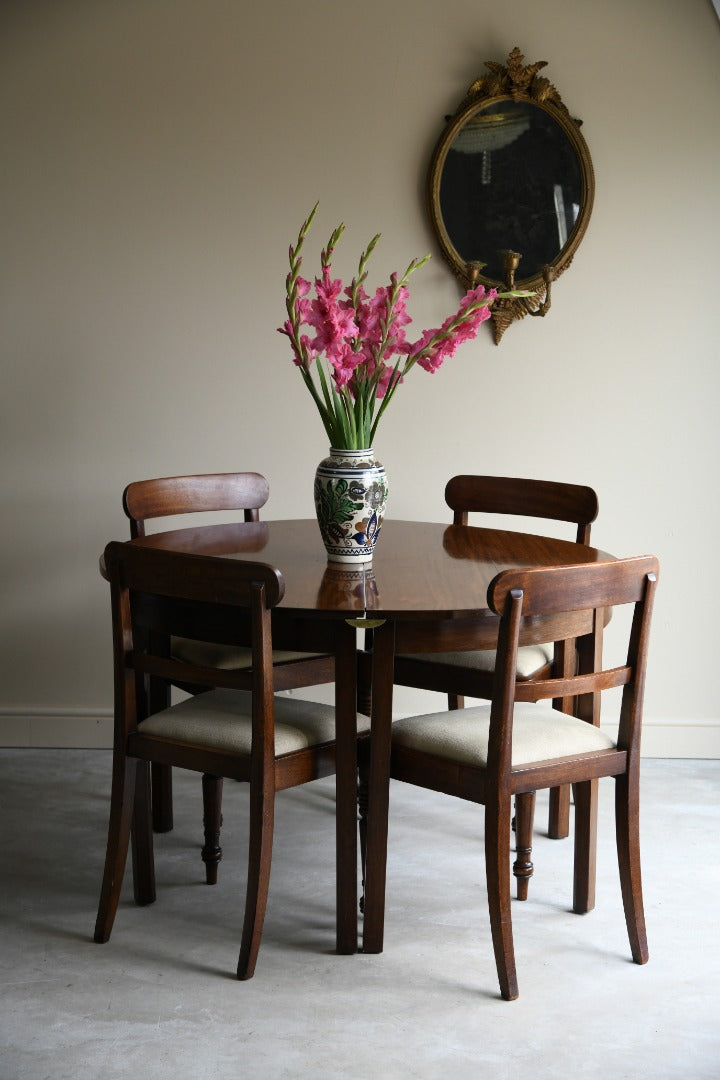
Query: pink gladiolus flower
x=435, y=357
x=474, y=296
x=344, y=365
x=362, y=340
x=308, y=345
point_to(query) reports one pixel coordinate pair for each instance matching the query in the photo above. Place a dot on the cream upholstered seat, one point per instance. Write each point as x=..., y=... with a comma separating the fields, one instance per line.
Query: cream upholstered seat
x=222, y=720
x=531, y=659
x=539, y=733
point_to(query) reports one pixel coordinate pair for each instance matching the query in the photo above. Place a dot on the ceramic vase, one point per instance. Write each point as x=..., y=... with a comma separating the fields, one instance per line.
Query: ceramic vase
x=351, y=492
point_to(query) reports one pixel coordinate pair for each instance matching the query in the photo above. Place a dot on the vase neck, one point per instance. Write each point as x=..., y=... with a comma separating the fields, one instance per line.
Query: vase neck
x=355, y=453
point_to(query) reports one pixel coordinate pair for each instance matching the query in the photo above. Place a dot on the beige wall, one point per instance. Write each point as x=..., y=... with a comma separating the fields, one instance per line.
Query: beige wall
x=157, y=158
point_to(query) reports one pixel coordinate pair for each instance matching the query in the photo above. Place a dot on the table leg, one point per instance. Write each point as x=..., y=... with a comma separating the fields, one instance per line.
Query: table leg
x=378, y=787
x=346, y=789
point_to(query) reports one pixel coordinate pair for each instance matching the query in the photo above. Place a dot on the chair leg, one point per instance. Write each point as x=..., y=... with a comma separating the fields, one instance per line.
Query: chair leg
x=524, y=817
x=586, y=808
x=162, y=804
x=143, y=862
x=362, y=798
x=212, y=788
x=559, y=814
x=497, y=868
x=121, y=814
x=627, y=829
x=262, y=817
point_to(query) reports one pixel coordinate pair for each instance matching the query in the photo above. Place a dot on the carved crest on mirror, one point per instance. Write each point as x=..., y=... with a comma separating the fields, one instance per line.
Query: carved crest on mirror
x=511, y=187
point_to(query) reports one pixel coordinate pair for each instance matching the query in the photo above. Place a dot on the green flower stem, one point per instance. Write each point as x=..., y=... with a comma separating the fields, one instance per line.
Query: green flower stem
x=323, y=409
x=392, y=385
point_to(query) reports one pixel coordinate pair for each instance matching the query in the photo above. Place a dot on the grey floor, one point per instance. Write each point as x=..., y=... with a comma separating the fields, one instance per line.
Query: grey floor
x=160, y=1000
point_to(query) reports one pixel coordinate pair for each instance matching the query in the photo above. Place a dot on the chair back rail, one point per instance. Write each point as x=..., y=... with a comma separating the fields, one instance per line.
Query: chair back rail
x=574, y=685
x=548, y=499
x=546, y=590
x=202, y=578
x=170, y=495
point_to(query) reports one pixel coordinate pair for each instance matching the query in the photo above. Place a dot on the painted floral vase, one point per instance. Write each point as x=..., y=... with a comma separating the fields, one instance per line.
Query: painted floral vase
x=351, y=492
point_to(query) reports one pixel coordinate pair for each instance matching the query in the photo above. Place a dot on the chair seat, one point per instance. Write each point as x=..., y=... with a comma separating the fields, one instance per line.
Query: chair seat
x=539, y=733
x=530, y=659
x=227, y=657
x=221, y=720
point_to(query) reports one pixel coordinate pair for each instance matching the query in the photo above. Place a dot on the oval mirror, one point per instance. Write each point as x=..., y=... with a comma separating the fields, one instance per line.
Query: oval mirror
x=511, y=187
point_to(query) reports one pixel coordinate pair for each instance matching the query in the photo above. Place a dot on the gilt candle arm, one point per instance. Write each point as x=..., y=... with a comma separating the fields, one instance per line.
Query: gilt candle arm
x=548, y=276
x=508, y=309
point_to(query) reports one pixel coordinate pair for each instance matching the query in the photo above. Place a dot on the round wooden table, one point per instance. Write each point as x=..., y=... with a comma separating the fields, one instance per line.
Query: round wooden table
x=424, y=591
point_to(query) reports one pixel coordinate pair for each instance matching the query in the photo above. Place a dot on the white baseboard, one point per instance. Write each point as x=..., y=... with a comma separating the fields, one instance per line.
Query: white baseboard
x=669, y=738
x=663, y=737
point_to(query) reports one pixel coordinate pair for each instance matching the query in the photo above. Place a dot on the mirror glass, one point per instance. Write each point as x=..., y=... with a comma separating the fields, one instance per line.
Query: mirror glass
x=511, y=179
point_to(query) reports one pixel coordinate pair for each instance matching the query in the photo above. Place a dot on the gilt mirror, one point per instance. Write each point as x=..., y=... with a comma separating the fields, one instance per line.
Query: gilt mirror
x=511, y=187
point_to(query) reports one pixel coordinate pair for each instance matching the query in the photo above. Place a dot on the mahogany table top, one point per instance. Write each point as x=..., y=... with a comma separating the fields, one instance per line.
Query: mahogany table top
x=419, y=570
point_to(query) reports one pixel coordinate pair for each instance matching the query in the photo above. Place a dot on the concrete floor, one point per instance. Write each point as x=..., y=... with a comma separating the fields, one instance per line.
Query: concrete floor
x=160, y=1000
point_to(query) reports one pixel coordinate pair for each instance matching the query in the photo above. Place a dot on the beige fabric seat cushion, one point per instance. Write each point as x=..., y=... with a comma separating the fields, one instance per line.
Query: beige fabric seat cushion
x=539, y=733
x=226, y=657
x=221, y=720
x=530, y=659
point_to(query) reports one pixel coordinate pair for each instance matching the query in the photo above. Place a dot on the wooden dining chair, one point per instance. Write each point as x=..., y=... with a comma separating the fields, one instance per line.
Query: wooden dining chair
x=236, y=728
x=488, y=754
x=472, y=673
x=168, y=497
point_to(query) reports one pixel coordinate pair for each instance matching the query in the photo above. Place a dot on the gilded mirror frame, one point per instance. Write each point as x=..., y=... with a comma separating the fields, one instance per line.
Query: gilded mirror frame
x=518, y=83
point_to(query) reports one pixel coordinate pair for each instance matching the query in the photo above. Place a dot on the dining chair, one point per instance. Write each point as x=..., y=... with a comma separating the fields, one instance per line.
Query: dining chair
x=237, y=727
x=472, y=673
x=490, y=753
x=168, y=497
